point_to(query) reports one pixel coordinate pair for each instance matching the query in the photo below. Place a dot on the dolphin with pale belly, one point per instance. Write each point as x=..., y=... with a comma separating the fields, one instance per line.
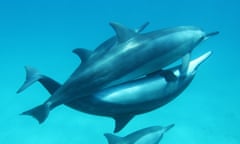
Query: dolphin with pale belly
x=122, y=102
x=133, y=55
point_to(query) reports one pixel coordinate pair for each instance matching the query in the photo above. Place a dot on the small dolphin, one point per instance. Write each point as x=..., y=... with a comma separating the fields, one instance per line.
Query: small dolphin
x=122, y=102
x=132, y=56
x=149, y=135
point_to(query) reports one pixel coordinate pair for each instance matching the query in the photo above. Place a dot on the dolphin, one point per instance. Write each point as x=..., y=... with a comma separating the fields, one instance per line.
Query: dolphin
x=149, y=135
x=122, y=102
x=132, y=56
x=33, y=75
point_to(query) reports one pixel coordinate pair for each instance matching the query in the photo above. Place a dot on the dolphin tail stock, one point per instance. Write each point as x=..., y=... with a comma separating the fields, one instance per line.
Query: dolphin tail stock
x=32, y=76
x=113, y=139
x=40, y=113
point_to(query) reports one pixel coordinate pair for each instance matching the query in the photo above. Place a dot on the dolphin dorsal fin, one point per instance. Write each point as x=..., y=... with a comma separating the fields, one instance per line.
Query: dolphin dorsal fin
x=121, y=121
x=123, y=33
x=113, y=139
x=82, y=53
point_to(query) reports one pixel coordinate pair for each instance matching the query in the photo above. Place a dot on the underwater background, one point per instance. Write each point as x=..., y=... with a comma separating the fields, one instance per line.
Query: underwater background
x=43, y=33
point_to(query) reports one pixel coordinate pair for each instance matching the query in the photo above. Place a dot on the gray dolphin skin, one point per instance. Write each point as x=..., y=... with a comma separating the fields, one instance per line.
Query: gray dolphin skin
x=149, y=135
x=122, y=102
x=132, y=55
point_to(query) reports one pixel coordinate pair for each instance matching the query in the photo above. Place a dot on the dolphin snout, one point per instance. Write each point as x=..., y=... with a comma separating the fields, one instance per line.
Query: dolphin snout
x=212, y=33
x=169, y=127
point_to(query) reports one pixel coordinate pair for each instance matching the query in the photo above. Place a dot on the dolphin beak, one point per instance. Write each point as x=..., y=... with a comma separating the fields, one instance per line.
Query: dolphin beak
x=194, y=64
x=169, y=127
x=210, y=34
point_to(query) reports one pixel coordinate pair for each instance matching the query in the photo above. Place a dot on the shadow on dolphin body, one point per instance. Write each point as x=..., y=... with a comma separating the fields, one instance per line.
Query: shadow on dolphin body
x=98, y=70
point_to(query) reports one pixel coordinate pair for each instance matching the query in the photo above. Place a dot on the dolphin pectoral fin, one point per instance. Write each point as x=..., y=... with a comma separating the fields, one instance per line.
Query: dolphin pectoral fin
x=123, y=33
x=82, y=53
x=40, y=113
x=121, y=121
x=113, y=139
x=32, y=76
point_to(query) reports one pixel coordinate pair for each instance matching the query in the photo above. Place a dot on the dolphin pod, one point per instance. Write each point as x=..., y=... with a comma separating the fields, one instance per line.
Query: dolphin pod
x=149, y=135
x=130, y=56
x=122, y=102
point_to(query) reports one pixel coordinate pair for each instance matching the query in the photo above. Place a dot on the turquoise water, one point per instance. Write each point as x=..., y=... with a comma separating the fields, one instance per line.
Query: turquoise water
x=43, y=33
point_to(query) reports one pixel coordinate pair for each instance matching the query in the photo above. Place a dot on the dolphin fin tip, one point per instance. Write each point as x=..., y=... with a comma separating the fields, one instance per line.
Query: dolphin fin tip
x=120, y=122
x=123, y=33
x=32, y=76
x=82, y=53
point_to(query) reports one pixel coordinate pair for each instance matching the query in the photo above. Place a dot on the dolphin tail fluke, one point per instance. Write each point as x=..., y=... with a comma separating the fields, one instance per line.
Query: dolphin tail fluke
x=113, y=139
x=32, y=76
x=40, y=113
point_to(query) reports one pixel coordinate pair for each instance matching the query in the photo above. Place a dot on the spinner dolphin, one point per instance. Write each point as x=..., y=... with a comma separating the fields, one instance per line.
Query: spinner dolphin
x=132, y=55
x=124, y=101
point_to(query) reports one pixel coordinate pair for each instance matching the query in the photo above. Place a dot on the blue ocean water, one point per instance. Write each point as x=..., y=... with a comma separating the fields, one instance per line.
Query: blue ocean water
x=43, y=33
